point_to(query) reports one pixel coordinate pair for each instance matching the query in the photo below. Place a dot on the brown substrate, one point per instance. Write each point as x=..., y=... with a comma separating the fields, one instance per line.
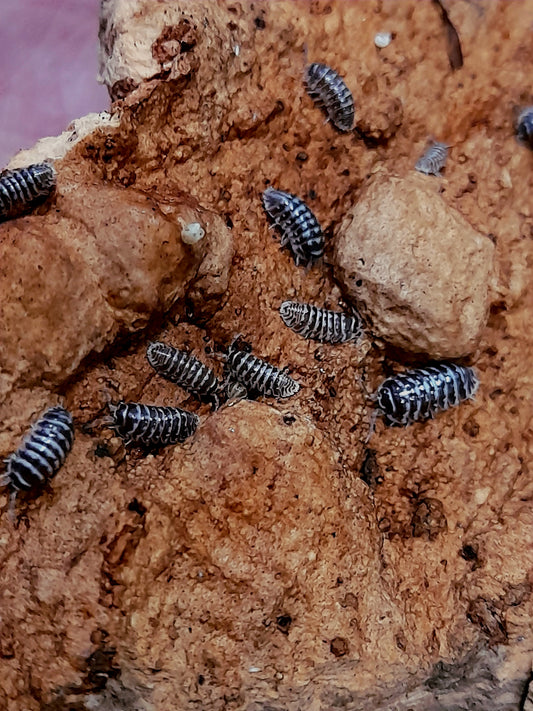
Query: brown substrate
x=277, y=561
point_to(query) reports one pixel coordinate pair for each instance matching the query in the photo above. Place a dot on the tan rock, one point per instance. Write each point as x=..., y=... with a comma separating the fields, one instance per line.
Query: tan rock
x=413, y=265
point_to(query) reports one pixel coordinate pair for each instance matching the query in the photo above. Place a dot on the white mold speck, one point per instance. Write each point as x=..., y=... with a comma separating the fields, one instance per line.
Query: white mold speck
x=192, y=233
x=382, y=39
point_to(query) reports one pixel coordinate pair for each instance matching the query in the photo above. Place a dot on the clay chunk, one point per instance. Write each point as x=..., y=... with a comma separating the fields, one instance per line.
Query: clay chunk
x=413, y=265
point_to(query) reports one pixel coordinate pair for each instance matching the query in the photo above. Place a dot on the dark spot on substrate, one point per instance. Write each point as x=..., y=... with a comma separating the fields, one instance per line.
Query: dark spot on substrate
x=469, y=552
x=101, y=450
x=136, y=506
x=339, y=646
x=283, y=623
x=370, y=471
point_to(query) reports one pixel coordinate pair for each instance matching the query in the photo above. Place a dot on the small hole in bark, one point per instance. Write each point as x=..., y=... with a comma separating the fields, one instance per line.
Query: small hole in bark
x=469, y=552
x=471, y=427
x=101, y=450
x=339, y=646
x=284, y=623
x=136, y=506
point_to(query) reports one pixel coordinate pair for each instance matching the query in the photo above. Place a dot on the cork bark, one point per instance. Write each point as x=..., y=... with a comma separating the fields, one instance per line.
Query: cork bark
x=276, y=560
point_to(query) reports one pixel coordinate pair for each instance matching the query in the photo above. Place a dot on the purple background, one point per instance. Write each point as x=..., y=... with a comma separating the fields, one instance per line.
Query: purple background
x=48, y=61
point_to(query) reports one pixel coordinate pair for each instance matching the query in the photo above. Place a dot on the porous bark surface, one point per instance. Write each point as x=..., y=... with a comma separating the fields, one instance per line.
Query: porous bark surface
x=276, y=560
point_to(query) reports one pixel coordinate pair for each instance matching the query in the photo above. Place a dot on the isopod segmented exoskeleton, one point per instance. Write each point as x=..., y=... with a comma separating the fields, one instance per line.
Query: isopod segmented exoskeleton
x=257, y=375
x=418, y=394
x=524, y=126
x=23, y=189
x=298, y=226
x=41, y=454
x=320, y=324
x=330, y=92
x=433, y=160
x=152, y=426
x=185, y=370
x=234, y=391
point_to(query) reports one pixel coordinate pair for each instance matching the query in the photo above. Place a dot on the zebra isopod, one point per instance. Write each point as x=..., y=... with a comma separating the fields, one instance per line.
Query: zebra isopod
x=152, y=426
x=320, y=324
x=41, y=454
x=331, y=94
x=23, y=189
x=418, y=394
x=259, y=376
x=185, y=370
x=298, y=226
x=433, y=160
x=524, y=126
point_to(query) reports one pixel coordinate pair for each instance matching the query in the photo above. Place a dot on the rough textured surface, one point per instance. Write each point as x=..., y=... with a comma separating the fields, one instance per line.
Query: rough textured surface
x=54, y=148
x=415, y=268
x=400, y=578
x=98, y=264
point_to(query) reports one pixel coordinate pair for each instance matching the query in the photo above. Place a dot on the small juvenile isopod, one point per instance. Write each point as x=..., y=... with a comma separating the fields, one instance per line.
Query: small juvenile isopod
x=41, y=454
x=151, y=426
x=298, y=226
x=524, y=126
x=185, y=370
x=331, y=94
x=259, y=376
x=433, y=160
x=320, y=324
x=23, y=189
x=418, y=394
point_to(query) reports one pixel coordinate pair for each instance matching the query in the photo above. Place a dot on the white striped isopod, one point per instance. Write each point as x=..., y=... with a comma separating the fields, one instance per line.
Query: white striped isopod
x=524, y=126
x=41, y=454
x=320, y=324
x=298, y=226
x=418, y=394
x=151, y=426
x=331, y=94
x=433, y=160
x=185, y=370
x=259, y=376
x=23, y=189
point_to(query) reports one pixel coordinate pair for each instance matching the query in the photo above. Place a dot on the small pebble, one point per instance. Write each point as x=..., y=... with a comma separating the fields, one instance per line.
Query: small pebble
x=382, y=39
